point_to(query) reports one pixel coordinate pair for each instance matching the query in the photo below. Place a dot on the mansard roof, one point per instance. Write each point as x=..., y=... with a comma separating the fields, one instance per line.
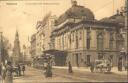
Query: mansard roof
x=117, y=18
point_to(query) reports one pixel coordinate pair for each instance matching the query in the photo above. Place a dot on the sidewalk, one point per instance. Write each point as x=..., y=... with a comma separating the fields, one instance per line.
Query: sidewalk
x=82, y=69
x=0, y=79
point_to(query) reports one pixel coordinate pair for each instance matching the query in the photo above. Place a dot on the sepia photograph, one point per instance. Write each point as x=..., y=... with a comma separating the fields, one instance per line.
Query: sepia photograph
x=63, y=41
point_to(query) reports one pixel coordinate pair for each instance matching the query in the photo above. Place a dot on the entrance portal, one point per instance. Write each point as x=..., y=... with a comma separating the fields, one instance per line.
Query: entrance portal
x=77, y=61
x=88, y=60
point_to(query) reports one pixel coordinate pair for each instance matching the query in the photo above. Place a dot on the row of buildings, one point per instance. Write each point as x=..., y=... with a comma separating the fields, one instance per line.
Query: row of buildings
x=78, y=37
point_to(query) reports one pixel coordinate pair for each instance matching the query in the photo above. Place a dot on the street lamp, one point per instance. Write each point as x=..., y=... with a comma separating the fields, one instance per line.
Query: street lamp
x=123, y=53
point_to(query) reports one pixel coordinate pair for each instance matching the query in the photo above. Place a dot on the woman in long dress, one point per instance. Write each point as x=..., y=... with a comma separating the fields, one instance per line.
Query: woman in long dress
x=70, y=67
x=9, y=76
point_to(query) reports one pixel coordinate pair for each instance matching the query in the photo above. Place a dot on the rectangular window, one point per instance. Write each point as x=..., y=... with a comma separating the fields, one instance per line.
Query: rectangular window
x=77, y=40
x=100, y=42
x=73, y=36
x=88, y=43
x=111, y=44
x=80, y=34
x=88, y=39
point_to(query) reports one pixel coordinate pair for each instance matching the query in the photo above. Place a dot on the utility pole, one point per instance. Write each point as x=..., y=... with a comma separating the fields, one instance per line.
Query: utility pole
x=0, y=58
x=126, y=29
x=2, y=61
x=1, y=49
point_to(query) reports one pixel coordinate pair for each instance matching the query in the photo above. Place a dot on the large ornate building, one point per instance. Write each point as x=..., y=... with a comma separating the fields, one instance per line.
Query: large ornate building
x=119, y=18
x=84, y=38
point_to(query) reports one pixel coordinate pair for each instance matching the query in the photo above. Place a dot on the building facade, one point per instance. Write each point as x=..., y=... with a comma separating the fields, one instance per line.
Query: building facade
x=84, y=38
x=27, y=58
x=44, y=29
x=119, y=18
x=33, y=45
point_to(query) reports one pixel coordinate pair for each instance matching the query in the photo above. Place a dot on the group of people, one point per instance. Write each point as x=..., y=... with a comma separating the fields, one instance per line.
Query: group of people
x=20, y=70
x=120, y=65
x=6, y=72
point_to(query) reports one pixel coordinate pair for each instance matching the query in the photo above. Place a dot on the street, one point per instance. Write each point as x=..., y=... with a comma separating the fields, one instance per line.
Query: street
x=33, y=75
x=36, y=76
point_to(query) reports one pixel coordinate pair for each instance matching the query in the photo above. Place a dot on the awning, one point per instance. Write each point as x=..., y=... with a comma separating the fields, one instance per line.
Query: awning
x=52, y=51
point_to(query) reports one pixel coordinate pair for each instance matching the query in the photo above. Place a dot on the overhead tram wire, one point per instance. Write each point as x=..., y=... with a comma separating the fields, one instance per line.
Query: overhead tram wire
x=105, y=5
x=113, y=7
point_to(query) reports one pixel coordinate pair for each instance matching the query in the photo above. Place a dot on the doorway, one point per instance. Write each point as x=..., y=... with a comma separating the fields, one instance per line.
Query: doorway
x=88, y=60
x=77, y=60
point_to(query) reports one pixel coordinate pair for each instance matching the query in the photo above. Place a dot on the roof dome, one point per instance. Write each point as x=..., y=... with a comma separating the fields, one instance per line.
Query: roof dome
x=76, y=11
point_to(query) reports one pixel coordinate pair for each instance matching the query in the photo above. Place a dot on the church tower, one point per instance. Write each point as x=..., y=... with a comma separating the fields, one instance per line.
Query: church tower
x=17, y=57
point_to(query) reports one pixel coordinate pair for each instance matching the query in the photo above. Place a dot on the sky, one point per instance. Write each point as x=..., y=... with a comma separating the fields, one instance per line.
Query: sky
x=23, y=15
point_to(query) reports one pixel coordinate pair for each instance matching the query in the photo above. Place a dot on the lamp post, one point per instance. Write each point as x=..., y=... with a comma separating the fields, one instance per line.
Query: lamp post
x=123, y=53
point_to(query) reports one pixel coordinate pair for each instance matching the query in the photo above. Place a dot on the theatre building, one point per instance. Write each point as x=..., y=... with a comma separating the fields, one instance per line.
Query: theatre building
x=84, y=38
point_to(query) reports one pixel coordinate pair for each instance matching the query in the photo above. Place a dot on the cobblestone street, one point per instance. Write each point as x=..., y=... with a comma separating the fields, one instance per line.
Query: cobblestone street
x=33, y=75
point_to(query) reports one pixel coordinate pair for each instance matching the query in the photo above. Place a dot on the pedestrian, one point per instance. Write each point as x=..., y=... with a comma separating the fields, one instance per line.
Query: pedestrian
x=92, y=67
x=70, y=67
x=126, y=65
x=120, y=65
x=19, y=70
x=49, y=70
x=0, y=74
x=3, y=72
x=23, y=69
x=9, y=70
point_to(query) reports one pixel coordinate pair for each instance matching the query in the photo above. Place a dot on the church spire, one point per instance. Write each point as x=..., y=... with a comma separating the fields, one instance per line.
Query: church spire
x=16, y=49
x=17, y=34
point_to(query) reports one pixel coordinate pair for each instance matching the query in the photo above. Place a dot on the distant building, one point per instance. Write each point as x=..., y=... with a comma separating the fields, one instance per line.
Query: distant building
x=84, y=38
x=33, y=45
x=17, y=56
x=26, y=54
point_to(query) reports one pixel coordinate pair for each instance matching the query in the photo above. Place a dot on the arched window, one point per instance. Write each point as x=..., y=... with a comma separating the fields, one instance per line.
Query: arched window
x=100, y=41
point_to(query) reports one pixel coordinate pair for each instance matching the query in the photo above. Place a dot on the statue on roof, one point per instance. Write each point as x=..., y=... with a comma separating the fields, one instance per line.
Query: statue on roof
x=74, y=2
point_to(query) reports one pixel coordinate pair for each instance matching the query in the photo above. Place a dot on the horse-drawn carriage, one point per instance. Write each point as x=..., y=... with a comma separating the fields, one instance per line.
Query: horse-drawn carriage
x=101, y=66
